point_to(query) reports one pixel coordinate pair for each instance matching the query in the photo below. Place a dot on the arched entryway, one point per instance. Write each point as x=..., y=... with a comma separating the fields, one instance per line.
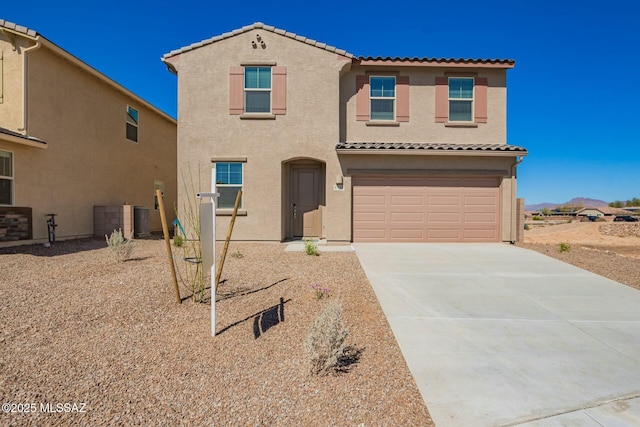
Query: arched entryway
x=303, y=187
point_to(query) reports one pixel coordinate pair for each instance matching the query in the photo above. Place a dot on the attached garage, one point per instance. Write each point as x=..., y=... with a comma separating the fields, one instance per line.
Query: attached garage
x=426, y=209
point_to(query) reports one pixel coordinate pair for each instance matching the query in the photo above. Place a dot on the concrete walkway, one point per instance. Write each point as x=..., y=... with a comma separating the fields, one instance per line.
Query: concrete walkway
x=496, y=335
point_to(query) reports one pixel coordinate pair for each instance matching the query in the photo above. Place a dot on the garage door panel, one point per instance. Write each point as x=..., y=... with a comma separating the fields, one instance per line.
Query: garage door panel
x=400, y=200
x=372, y=216
x=438, y=209
x=443, y=217
x=407, y=234
x=407, y=217
x=480, y=217
x=444, y=201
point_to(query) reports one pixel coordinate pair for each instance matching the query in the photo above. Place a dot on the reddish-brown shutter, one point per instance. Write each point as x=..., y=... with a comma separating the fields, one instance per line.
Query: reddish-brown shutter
x=236, y=90
x=279, y=90
x=442, y=99
x=402, y=98
x=362, y=97
x=481, y=100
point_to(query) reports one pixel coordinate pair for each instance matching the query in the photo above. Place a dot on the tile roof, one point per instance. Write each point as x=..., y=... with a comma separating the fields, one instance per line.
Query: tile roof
x=260, y=26
x=428, y=147
x=19, y=135
x=508, y=62
x=17, y=28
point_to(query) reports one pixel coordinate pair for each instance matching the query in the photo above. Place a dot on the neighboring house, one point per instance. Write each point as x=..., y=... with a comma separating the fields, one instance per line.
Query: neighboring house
x=602, y=211
x=71, y=139
x=326, y=144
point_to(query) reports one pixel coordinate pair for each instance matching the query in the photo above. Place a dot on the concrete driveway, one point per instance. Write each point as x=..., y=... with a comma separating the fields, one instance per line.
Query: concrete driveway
x=497, y=335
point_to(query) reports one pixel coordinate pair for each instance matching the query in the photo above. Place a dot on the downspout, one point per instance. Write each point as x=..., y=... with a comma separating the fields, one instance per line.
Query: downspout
x=514, y=203
x=24, y=82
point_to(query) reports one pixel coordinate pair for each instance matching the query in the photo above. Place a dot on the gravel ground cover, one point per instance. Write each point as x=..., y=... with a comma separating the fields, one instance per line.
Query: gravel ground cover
x=79, y=328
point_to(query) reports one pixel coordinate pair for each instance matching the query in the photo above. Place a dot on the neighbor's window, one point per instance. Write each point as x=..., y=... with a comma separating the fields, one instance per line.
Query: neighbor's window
x=132, y=124
x=157, y=185
x=460, y=99
x=257, y=89
x=228, y=183
x=6, y=178
x=382, y=97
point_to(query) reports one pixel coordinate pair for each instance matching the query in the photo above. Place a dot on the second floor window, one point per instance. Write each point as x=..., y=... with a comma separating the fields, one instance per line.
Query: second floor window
x=382, y=97
x=132, y=124
x=460, y=99
x=257, y=89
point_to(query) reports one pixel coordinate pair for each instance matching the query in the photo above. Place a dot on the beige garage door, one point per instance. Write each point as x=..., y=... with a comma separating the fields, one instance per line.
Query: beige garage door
x=425, y=209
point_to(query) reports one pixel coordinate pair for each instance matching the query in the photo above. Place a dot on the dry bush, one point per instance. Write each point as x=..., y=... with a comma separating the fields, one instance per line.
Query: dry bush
x=325, y=342
x=121, y=248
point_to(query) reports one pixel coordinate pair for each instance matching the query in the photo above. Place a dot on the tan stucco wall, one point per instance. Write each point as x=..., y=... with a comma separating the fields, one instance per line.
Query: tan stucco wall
x=309, y=129
x=422, y=126
x=320, y=113
x=88, y=160
x=11, y=106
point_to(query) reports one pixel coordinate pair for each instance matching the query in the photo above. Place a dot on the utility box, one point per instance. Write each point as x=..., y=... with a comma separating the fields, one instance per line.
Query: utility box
x=141, y=221
x=106, y=219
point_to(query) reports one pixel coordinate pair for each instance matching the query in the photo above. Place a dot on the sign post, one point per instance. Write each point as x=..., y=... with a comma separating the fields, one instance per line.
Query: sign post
x=208, y=240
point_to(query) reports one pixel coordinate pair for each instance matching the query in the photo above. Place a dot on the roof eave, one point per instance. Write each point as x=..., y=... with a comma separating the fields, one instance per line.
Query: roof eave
x=430, y=152
x=417, y=62
x=23, y=140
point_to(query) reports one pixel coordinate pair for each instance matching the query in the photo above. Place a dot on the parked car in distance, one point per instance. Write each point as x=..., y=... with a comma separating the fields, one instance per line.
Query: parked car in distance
x=628, y=218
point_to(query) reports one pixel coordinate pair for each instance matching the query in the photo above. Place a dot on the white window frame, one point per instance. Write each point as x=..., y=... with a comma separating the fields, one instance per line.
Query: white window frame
x=248, y=89
x=11, y=179
x=384, y=98
x=472, y=100
x=241, y=185
x=131, y=121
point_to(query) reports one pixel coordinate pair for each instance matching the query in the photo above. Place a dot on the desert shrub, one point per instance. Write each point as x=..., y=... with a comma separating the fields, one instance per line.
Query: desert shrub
x=237, y=254
x=537, y=218
x=310, y=247
x=320, y=292
x=564, y=247
x=121, y=248
x=527, y=227
x=325, y=342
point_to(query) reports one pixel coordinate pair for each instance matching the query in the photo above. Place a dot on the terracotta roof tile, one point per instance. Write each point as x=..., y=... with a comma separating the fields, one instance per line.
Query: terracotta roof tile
x=428, y=146
x=508, y=62
x=17, y=28
x=261, y=26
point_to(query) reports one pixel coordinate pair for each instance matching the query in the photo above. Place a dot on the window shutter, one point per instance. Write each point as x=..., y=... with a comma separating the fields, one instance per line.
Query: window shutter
x=279, y=90
x=480, y=100
x=362, y=98
x=236, y=90
x=402, y=98
x=442, y=99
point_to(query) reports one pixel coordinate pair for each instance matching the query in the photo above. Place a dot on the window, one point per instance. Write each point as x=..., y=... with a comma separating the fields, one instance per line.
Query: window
x=228, y=183
x=257, y=89
x=6, y=178
x=157, y=185
x=382, y=97
x=132, y=124
x=460, y=99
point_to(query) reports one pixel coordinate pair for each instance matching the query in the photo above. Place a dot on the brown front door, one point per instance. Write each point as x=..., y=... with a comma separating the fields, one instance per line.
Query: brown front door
x=305, y=195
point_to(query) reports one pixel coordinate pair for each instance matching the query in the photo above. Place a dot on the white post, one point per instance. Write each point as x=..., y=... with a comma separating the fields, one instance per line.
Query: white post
x=208, y=240
x=212, y=270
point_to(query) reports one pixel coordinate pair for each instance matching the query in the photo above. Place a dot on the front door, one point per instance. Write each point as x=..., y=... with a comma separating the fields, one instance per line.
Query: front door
x=305, y=195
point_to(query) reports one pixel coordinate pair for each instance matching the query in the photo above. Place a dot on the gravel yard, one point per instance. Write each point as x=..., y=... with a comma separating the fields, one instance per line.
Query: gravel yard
x=611, y=250
x=78, y=328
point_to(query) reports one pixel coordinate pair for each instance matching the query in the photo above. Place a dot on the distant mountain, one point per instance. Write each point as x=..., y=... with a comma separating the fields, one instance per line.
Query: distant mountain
x=576, y=201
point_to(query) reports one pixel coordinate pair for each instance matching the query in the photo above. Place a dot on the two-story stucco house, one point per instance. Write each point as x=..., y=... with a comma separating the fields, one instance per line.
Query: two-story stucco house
x=71, y=139
x=323, y=143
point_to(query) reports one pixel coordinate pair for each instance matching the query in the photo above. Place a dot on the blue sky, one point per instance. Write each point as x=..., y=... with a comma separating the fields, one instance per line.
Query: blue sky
x=573, y=96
